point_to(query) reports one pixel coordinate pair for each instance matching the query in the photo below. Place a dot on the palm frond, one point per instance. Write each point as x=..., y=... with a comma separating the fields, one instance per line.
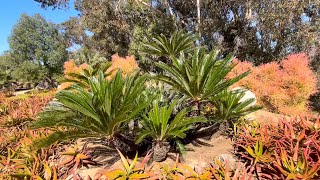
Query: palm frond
x=193, y=72
x=171, y=47
x=201, y=75
x=101, y=109
x=230, y=105
x=160, y=124
x=60, y=136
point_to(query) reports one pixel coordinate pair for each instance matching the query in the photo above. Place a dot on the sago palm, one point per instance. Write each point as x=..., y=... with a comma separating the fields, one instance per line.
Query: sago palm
x=230, y=105
x=198, y=75
x=163, y=46
x=159, y=125
x=102, y=111
x=82, y=78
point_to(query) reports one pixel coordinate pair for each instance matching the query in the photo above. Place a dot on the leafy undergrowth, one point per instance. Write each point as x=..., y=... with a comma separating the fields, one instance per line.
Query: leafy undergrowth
x=54, y=162
x=218, y=170
x=287, y=150
x=18, y=158
x=17, y=110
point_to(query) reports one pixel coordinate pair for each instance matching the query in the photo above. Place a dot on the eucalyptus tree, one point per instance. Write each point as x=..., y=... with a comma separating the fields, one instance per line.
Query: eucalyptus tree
x=256, y=30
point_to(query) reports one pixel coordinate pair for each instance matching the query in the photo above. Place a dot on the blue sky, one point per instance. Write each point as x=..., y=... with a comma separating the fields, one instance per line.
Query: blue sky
x=10, y=11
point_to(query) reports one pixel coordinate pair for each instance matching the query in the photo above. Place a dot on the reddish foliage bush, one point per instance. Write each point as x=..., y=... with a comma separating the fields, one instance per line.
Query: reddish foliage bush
x=287, y=150
x=282, y=87
x=71, y=67
x=73, y=73
x=70, y=70
x=16, y=110
x=127, y=65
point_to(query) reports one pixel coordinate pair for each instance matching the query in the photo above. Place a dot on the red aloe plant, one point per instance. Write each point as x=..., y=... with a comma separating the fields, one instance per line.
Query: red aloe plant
x=292, y=146
x=16, y=111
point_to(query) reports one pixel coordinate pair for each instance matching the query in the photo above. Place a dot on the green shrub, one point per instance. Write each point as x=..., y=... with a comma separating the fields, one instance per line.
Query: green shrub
x=194, y=73
x=102, y=110
x=162, y=127
x=229, y=105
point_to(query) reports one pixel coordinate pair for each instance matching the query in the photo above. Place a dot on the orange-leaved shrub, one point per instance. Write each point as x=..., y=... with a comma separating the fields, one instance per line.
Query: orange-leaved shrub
x=74, y=73
x=127, y=65
x=281, y=87
x=20, y=109
x=70, y=69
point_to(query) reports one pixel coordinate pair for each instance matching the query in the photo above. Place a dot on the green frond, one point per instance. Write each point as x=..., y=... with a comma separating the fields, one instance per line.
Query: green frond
x=160, y=125
x=59, y=136
x=196, y=74
x=230, y=105
x=171, y=47
x=101, y=109
x=180, y=146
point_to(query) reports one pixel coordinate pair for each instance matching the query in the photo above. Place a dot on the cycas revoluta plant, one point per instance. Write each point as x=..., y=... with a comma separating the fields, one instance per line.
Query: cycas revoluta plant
x=81, y=74
x=102, y=111
x=197, y=75
x=172, y=47
x=229, y=105
x=162, y=127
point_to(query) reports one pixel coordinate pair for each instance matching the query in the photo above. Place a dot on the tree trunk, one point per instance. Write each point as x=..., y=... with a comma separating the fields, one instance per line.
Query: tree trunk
x=199, y=18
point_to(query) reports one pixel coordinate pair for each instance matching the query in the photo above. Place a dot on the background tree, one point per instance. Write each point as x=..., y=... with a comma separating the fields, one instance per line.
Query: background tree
x=260, y=31
x=118, y=25
x=6, y=67
x=37, y=48
x=53, y=3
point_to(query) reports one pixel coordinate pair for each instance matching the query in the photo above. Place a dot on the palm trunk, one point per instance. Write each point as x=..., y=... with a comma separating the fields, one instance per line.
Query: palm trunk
x=122, y=143
x=197, y=105
x=160, y=151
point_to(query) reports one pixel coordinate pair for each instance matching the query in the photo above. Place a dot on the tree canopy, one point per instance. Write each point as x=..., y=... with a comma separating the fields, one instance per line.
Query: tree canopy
x=53, y=3
x=257, y=30
x=37, y=48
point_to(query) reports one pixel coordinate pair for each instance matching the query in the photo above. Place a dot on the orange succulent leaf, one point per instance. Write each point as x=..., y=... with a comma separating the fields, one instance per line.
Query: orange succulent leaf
x=127, y=65
x=47, y=171
x=66, y=161
x=65, y=85
x=141, y=176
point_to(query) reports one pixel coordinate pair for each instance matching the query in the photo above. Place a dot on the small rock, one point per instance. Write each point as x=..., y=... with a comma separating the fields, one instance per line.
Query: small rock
x=247, y=95
x=250, y=117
